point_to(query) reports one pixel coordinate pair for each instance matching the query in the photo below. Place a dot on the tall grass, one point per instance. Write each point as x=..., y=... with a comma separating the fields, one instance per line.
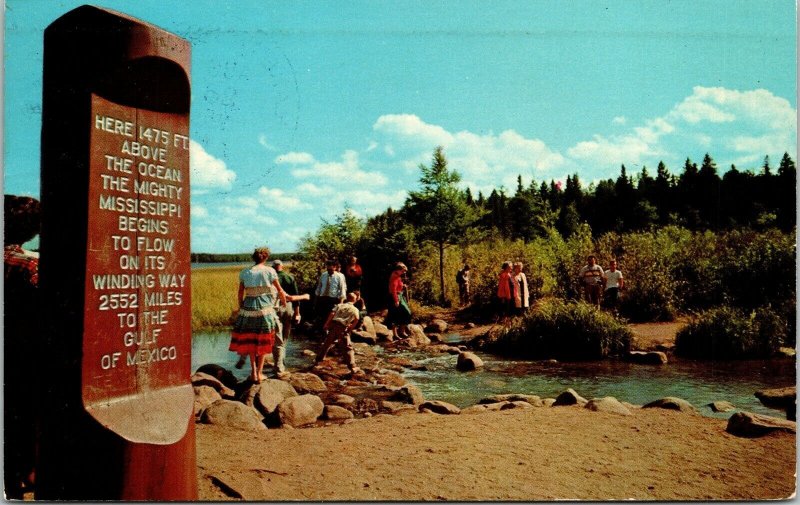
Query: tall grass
x=214, y=292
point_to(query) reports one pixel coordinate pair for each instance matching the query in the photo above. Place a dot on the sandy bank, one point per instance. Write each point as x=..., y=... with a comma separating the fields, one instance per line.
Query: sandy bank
x=532, y=454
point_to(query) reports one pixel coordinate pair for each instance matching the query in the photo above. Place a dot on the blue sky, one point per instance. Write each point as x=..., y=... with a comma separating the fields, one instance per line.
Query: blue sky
x=303, y=108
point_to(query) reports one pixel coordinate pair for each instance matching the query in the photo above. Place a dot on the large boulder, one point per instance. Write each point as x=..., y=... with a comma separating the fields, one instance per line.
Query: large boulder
x=408, y=394
x=532, y=399
x=363, y=337
x=205, y=379
x=569, y=397
x=781, y=398
x=436, y=326
x=468, y=361
x=383, y=333
x=305, y=383
x=266, y=397
x=300, y=410
x=647, y=357
x=233, y=414
x=368, y=326
x=607, y=404
x=746, y=424
x=417, y=337
x=439, y=407
x=221, y=373
x=336, y=413
x=672, y=403
x=721, y=406
x=203, y=397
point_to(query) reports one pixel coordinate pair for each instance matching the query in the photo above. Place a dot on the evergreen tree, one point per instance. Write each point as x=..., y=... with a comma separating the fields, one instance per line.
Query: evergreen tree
x=708, y=193
x=439, y=210
x=786, y=193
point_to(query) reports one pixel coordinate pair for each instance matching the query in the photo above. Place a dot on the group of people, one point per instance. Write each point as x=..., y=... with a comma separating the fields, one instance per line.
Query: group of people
x=601, y=285
x=512, y=289
x=268, y=307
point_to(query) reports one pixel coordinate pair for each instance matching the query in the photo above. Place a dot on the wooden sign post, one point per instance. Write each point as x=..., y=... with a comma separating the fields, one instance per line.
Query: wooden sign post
x=117, y=420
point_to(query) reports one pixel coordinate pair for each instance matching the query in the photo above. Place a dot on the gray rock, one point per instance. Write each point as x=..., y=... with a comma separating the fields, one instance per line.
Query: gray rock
x=203, y=397
x=746, y=424
x=439, y=407
x=569, y=397
x=517, y=404
x=300, y=410
x=343, y=400
x=369, y=326
x=222, y=374
x=468, y=361
x=305, y=383
x=233, y=414
x=383, y=333
x=532, y=399
x=266, y=397
x=436, y=326
x=672, y=403
x=781, y=398
x=647, y=357
x=204, y=379
x=417, y=337
x=363, y=336
x=336, y=413
x=607, y=404
x=721, y=406
x=409, y=394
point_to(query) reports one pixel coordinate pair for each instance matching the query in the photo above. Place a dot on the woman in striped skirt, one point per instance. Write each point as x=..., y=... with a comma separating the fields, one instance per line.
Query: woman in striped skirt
x=254, y=330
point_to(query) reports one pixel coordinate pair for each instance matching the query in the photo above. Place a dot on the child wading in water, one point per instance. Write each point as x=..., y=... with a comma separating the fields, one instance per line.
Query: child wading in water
x=341, y=321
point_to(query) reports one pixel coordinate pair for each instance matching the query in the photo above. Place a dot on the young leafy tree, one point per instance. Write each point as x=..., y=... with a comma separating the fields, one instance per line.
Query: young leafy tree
x=439, y=210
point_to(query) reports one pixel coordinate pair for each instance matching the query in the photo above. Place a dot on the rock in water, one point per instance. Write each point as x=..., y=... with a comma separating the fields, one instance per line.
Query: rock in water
x=532, y=399
x=569, y=397
x=721, y=406
x=436, y=326
x=468, y=361
x=307, y=383
x=205, y=379
x=648, y=358
x=417, y=337
x=439, y=407
x=409, y=394
x=672, y=403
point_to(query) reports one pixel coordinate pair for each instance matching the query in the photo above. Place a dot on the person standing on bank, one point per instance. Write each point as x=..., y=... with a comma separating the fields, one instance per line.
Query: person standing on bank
x=399, y=314
x=257, y=322
x=462, y=279
x=614, y=283
x=522, y=300
x=353, y=275
x=506, y=287
x=288, y=315
x=22, y=310
x=330, y=291
x=591, y=277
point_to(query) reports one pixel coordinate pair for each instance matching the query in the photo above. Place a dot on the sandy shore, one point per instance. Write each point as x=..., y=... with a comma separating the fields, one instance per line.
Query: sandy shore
x=533, y=454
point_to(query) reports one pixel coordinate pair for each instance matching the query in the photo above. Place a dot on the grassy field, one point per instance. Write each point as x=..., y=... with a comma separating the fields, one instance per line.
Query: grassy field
x=214, y=296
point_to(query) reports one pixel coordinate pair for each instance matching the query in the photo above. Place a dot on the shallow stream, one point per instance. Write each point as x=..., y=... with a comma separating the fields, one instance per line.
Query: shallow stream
x=699, y=382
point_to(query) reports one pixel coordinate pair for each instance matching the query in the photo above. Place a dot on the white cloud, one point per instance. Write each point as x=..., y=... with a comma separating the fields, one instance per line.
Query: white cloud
x=198, y=211
x=619, y=120
x=208, y=171
x=409, y=126
x=294, y=158
x=277, y=199
x=347, y=171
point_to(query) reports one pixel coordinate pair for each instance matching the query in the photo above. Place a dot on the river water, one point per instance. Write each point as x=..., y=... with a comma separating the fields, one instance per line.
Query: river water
x=699, y=382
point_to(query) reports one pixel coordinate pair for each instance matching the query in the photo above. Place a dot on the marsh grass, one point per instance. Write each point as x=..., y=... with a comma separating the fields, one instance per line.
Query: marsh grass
x=214, y=296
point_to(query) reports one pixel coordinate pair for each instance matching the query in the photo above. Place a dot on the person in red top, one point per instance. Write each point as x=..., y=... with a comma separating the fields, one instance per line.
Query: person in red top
x=353, y=274
x=506, y=290
x=399, y=315
x=21, y=313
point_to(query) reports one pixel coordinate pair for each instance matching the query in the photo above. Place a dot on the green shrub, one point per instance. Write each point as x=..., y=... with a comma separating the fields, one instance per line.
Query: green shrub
x=732, y=333
x=564, y=331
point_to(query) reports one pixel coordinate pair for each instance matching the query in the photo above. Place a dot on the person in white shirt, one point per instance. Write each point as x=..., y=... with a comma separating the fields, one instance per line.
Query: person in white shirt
x=591, y=277
x=331, y=290
x=522, y=300
x=614, y=282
